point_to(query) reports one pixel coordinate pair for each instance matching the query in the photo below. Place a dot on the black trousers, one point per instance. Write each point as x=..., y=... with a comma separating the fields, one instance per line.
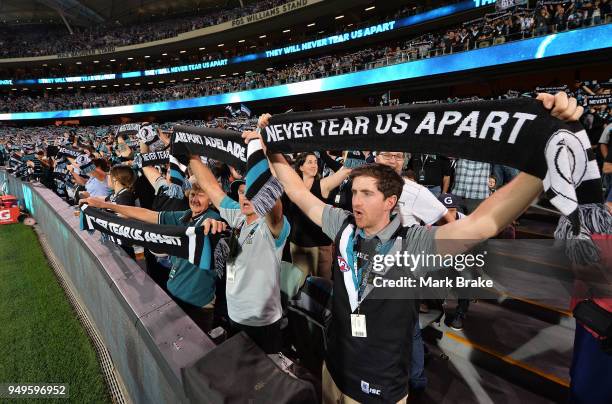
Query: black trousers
x=267, y=337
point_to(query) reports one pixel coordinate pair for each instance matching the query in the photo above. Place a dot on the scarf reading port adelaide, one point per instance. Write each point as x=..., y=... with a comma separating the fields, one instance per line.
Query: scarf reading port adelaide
x=189, y=243
x=518, y=133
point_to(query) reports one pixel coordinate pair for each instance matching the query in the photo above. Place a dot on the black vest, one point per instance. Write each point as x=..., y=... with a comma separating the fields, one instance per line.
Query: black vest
x=379, y=363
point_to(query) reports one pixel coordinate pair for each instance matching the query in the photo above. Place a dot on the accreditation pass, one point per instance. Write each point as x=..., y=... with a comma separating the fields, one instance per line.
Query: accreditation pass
x=358, y=325
x=33, y=390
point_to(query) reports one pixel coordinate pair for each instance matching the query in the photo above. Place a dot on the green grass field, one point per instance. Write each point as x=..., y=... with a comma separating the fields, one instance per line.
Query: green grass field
x=41, y=339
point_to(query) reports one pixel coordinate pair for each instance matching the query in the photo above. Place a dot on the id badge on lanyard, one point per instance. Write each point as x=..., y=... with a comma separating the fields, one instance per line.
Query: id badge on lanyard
x=358, y=321
x=230, y=272
x=422, y=170
x=358, y=325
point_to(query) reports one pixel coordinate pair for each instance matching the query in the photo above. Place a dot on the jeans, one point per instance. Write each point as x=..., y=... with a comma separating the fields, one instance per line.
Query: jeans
x=418, y=380
x=590, y=370
x=504, y=174
x=435, y=190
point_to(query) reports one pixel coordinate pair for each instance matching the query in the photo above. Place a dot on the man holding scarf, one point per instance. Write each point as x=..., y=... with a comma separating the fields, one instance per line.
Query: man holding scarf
x=369, y=340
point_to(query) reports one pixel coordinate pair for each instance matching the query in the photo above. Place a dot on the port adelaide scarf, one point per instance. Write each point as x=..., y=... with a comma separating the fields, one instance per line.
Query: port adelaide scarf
x=189, y=243
x=518, y=133
x=262, y=189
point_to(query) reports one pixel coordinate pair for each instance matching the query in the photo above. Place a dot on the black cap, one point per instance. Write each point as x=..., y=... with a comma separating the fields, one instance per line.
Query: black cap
x=234, y=186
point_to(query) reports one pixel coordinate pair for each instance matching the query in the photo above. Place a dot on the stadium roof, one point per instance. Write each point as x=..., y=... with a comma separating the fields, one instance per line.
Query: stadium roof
x=85, y=12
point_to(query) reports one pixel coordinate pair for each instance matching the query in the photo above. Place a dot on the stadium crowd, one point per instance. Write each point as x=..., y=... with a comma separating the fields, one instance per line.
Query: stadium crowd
x=103, y=167
x=27, y=42
x=491, y=30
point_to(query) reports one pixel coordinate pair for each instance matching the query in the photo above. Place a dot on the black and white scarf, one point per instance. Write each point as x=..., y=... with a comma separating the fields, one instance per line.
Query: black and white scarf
x=189, y=243
x=518, y=133
x=262, y=189
x=127, y=129
x=157, y=158
x=219, y=144
x=63, y=151
x=148, y=135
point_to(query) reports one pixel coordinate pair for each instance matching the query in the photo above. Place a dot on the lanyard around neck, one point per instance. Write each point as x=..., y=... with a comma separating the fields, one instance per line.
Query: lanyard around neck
x=360, y=278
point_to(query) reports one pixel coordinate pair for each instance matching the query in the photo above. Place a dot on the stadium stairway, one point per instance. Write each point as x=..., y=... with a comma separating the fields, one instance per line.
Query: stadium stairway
x=513, y=348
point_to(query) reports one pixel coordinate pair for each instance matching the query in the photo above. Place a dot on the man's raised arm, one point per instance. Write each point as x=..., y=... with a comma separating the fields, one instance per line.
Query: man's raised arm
x=207, y=181
x=296, y=190
x=292, y=183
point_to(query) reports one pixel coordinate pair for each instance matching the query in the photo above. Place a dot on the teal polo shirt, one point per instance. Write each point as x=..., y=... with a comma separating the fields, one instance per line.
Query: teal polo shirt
x=187, y=282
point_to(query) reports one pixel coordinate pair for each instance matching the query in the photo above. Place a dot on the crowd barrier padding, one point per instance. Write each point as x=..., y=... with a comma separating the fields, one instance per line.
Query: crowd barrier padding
x=148, y=336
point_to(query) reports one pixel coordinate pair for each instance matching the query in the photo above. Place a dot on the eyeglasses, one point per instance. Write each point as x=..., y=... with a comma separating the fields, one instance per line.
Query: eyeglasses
x=389, y=156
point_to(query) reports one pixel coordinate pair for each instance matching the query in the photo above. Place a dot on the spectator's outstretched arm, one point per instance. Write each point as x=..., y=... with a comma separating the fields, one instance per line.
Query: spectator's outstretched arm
x=494, y=214
x=151, y=173
x=505, y=205
x=132, y=212
x=328, y=184
x=77, y=178
x=293, y=184
x=207, y=181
